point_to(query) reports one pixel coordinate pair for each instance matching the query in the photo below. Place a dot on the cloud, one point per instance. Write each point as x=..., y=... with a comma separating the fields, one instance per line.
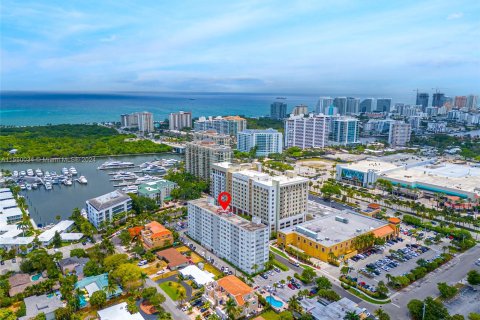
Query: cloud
x=456, y=15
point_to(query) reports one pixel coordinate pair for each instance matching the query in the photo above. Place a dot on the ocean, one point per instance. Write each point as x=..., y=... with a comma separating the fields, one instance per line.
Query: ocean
x=33, y=108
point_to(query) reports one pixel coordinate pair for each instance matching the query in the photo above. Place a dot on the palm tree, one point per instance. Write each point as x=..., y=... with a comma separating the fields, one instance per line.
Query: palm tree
x=23, y=225
x=111, y=288
x=351, y=315
x=231, y=308
x=255, y=267
x=293, y=304
x=388, y=276
x=381, y=314
x=143, y=277
x=275, y=286
x=182, y=295
x=344, y=270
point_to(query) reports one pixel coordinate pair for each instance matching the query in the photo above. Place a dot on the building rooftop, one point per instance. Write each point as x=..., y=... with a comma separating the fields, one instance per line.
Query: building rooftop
x=200, y=277
x=336, y=226
x=6, y=195
x=60, y=227
x=444, y=175
x=118, y=311
x=333, y=311
x=156, y=229
x=39, y=304
x=155, y=186
x=108, y=200
x=235, y=287
x=95, y=283
x=173, y=257
x=7, y=204
x=204, y=203
x=269, y=130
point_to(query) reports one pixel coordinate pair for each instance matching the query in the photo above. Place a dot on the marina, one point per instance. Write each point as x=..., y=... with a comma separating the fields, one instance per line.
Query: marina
x=34, y=179
x=44, y=205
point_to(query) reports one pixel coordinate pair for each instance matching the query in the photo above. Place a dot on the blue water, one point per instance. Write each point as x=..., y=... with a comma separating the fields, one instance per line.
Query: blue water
x=36, y=277
x=274, y=302
x=30, y=108
x=82, y=301
x=21, y=108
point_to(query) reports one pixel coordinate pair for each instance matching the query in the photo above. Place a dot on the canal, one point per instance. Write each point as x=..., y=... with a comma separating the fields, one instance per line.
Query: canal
x=45, y=205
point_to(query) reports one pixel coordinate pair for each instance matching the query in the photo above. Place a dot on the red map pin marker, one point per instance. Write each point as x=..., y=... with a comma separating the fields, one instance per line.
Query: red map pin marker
x=224, y=199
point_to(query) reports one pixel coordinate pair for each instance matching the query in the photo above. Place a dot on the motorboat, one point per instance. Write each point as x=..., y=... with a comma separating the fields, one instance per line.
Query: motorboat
x=169, y=162
x=73, y=171
x=124, y=176
x=65, y=171
x=154, y=169
x=23, y=173
x=67, y=182
x=22, y=186
x=82, y=180
x=48, y=185
x=39, y=172
x=34, y=185
x=30, y=172
x=145, y=164
x=83, y=212
x=116, y=165
x=47, y=175
x=15, y=173
x=130, y=189
x=28, y=186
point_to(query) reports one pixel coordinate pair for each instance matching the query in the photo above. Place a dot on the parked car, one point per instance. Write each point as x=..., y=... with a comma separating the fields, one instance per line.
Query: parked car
x=291, y=286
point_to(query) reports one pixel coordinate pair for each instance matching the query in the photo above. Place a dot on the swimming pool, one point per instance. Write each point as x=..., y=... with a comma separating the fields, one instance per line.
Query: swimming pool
x=36, y=277
x=274, y=302
x=82, y=301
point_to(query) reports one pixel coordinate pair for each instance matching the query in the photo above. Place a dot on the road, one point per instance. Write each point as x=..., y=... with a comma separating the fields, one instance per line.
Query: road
x=335, y=282
x=331, y=204
x=452, y=272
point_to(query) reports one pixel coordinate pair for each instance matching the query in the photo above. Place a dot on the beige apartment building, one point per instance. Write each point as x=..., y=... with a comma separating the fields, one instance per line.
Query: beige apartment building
x=200, y=155
x=280, y=201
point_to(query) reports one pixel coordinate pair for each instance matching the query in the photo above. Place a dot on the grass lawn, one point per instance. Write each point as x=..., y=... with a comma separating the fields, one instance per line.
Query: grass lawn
x=152, y=268
x=182, y=249
x=171, y=290
x=208, y=267
x=272, y=315
x=196, y=258
x=280, y=253
x=165, y=275
x=367, y=298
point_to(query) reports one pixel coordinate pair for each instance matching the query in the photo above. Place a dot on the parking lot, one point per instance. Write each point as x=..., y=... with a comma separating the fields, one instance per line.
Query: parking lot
x=397, y=259
x=284, y=292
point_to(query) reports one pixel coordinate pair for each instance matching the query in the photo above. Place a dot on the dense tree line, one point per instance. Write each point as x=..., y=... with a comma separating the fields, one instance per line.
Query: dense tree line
x=72, y=141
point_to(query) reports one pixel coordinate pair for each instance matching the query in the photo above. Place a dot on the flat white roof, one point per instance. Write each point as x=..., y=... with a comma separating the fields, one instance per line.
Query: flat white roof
x=4, y=190
x=71, y=236
x=118, y=311
x=6, y=204
x=199, y=276
x=445, y=175
x=59, y=227
x=91, y=288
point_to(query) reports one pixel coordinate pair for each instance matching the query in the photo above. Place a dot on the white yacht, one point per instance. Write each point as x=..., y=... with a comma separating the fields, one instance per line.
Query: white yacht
x=39, y=172
x=73, y=171
x=15, y=173
x=30, y=172
x=22, y=186
x=28, y=186
x=65, y=171
x=48, y=185
x=82, y=180
x=47, y=175
x=34, y=185
x=67, y=182
x=130, y=189
x=116, y=165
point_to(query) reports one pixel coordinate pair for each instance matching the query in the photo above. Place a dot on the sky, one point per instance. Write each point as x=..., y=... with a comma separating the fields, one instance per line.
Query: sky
x=241, y=46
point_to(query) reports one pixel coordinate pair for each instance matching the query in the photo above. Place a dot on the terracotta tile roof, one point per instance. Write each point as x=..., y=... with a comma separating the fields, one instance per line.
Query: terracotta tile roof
x=173, y=257
x=135, y=231
x=383, y=231
x=233, y=118
x=157, y=229
x=394, y=220
x=235, y=287
x=374, y=206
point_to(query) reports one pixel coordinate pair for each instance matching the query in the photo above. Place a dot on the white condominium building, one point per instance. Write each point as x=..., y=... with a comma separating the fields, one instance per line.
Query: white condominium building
x=399, y=134
x=280, y=201
x=104, y=208
x=241, y=242
x=179, y=120
x=141, y=120
x=311, y=132
x=266, y=141
x=200, y=155
x=230, y=125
